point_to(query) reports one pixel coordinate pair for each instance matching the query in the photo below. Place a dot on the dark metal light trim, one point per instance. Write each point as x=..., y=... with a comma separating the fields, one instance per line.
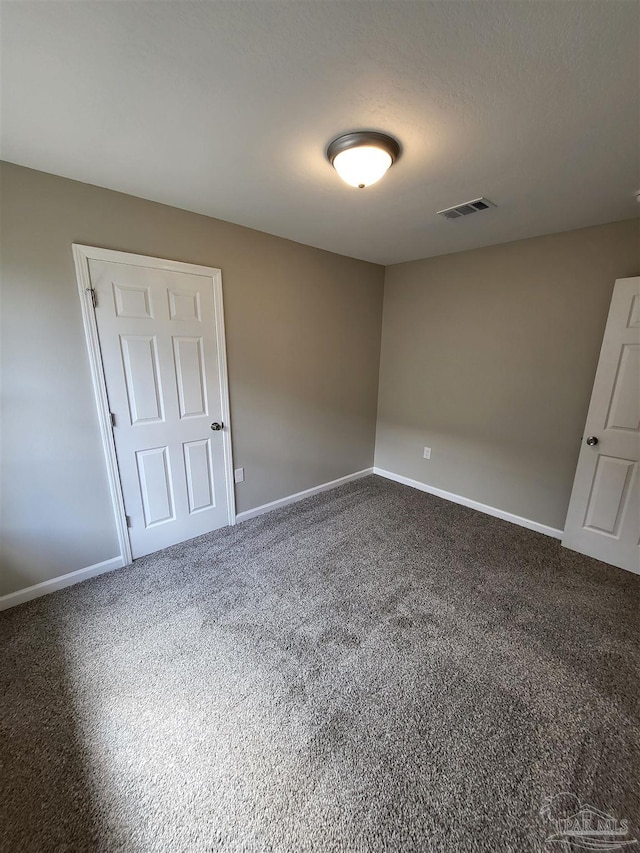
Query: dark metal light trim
x=358, y=138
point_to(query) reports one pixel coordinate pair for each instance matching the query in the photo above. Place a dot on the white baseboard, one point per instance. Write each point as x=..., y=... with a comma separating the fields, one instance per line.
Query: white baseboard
x=39, y=589
x=459, y=499
x=44, y=588
x=290, y=499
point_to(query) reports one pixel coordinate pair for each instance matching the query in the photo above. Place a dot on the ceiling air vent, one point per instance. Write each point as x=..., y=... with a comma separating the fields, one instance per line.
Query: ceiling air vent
x=466, y=208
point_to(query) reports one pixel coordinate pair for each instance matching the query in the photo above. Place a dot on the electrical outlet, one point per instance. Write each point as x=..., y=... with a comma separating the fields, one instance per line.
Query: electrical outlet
x=238, y=475
x=427, y=453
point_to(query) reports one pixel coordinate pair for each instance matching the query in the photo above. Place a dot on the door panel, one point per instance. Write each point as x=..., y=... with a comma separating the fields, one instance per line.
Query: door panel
x=624, y=411
x=184, y=305
x=140, y=361
x=155, y=485
x=190, y=376
x=604, y=512
x=161, y=358
x=197, y=458
x=609, y=494
x=132, y=302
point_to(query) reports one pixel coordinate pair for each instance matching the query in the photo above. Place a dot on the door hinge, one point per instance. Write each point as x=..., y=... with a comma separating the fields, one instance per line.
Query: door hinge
x=94, y=297
x=113, y=419
x=128, y=520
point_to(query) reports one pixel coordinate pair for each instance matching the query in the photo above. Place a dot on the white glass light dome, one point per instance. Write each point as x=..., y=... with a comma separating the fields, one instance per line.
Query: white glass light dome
x=362, y=166
x=363, y=157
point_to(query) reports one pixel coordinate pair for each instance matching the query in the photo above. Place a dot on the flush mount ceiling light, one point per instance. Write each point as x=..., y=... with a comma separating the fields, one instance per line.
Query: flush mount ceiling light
x=361, y=158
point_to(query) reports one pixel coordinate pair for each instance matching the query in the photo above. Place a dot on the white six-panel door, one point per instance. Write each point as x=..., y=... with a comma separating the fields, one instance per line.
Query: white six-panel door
x=604, y=512
x=165, y=378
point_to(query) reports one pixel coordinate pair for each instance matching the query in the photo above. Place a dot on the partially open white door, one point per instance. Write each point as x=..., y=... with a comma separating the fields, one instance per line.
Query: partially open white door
x=604, y=512
x=161, y=349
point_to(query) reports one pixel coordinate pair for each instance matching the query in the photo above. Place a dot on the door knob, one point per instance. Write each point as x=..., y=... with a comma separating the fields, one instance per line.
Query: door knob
x=592, y=441
x=215, y=426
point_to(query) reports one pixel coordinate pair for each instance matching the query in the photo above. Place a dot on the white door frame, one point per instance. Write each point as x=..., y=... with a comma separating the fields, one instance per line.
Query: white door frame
x=81, y=256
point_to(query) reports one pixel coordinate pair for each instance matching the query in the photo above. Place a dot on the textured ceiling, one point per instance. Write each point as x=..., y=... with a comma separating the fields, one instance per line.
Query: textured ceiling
x=225, y=108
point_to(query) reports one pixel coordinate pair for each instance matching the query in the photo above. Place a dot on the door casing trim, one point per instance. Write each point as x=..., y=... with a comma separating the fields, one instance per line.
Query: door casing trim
x=82, y=255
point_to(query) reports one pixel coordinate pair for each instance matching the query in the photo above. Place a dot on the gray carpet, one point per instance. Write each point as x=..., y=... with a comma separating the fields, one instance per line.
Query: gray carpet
x=372, y=669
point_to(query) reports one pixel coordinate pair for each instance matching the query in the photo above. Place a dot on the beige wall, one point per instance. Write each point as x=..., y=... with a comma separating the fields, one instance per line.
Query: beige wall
x=489, y=356
x=303, y=340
